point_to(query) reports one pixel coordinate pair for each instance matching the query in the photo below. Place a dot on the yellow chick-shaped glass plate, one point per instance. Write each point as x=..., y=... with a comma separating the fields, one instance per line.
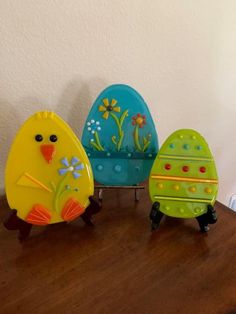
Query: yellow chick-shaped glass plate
x=48, y=176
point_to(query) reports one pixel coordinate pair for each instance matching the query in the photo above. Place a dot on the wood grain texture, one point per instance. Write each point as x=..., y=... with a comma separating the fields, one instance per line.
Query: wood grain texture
x=119, y=266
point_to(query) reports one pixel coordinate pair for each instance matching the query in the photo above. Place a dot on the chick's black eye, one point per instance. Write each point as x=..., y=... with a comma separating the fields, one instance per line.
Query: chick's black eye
x=38, y=138
x=53, y=138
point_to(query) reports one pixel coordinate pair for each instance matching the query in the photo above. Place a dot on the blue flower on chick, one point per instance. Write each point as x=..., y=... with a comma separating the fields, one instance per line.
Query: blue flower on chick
x=74, y=166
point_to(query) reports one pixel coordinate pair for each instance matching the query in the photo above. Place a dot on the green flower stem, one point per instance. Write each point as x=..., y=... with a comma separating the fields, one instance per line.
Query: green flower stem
x=136, y=139
x=113, y=138
x=65, y=191
x=119, y=123
x=59, y=191
x=95, y=145
x=122, y=118
x=146, y=141
x=146, y=146
x=120, y=141
x=98, y=141
x=116, y=121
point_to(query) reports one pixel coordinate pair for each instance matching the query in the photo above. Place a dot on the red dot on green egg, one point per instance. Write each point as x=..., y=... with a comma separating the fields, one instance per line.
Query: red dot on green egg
x=202, y=169
x=185, y=168
x=167, y=166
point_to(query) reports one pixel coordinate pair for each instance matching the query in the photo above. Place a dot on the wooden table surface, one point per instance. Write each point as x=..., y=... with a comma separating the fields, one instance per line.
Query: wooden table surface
x=119, y=266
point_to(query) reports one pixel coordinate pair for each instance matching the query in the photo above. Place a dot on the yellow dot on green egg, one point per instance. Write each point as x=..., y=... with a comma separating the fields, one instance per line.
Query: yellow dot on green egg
x=193, y=137
x=160, y=185
x=181, y=210
x=197, y=210
x=176, y=187
x=192, y=189
x=167, y=207
x=208, y=190
x=181, y=136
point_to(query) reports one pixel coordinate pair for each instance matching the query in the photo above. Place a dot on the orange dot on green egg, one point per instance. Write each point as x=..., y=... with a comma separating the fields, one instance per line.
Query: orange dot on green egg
x=208, y=190
x=176, y=187
x=160, y=185
x=192, y=189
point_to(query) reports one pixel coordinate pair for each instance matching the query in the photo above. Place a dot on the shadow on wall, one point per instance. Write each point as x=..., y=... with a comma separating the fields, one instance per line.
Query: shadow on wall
x=76, y=101
x=9, y=123
x=11, y=118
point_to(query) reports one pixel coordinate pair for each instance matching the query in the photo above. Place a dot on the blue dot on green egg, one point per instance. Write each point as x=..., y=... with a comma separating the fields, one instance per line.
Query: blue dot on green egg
x=172, y=145
x=186, y=146
x=198, y=147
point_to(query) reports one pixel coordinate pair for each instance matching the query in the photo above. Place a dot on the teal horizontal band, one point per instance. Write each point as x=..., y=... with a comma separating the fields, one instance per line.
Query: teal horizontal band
x=151, y=155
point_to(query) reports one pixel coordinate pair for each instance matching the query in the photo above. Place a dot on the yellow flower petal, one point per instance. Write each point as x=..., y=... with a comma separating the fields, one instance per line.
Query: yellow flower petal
x=113, y=102
x=102, y=108
x=106, y=115
x=117, y=109
x=106, y=102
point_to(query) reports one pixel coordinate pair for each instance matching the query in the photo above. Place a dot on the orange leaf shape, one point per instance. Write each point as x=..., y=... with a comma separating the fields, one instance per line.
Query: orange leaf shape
x=39, y=215
x=71, y=210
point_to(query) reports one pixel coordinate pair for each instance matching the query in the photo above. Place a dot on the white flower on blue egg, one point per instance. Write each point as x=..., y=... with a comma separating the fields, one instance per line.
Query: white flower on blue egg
x=93, y=126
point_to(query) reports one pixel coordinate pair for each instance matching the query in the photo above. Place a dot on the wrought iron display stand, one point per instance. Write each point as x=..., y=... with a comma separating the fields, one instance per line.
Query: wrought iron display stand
x=136, y=189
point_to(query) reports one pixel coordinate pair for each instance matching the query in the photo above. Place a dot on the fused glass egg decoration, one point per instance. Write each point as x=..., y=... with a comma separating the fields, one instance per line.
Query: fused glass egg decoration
x=48, y=176
x=183, y=182
x=119, y=137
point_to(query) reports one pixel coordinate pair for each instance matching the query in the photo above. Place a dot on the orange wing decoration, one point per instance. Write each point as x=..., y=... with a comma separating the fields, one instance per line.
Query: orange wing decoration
x=39, y=215
x=72, y=209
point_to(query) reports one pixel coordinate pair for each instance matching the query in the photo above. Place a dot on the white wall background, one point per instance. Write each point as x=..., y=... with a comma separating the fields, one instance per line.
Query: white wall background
x=179, y=54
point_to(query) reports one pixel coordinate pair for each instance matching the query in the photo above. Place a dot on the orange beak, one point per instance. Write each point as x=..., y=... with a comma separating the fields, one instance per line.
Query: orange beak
x=48, y=152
